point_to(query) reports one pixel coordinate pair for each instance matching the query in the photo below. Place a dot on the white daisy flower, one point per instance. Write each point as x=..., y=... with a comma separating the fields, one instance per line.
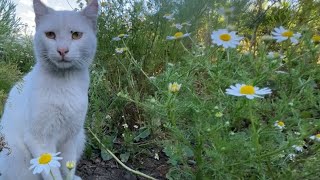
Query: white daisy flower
x=141, y=17
x=316, y=137
x=279, y=125
x=224, y=38
x=119, y=37
x=125, y=125
x=178, y=35
x=247, y=90
x=169, y=16
x=174, y=87
x=292, y=156
x=297, y=148
x=281, y=34
x=274, y=55
x=45, y=162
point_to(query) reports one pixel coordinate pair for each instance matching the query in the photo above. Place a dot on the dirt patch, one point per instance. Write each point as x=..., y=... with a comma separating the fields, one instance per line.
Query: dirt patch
x=97, y=169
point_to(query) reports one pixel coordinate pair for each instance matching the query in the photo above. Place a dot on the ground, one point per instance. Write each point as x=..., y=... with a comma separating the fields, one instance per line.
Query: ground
x=97, y=169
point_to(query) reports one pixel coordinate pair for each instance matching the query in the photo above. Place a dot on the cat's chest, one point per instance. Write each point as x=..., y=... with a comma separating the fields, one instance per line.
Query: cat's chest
x=61, y=105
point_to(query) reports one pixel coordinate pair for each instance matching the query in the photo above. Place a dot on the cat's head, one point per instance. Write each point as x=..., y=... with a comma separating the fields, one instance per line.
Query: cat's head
x=65, y=39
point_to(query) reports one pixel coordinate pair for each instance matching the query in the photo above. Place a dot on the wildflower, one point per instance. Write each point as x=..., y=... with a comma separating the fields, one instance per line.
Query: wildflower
x=141, y=17
x=125, y=125
x=119, y=37
x=136, y=126
x=218, y=114
x=45, y=162
x=224, y=38
x=126, y=16
x=226, y=11
x=174, y=87
x=297, y=148
x=178, y=35
x=279, y=124
x=316, y=137
x=178, y=26
x=70, y=165
x=292, y=156
x=169, y=16
x=247, y=90
x=156, y=156
x=274, y=55
x=281, y=34
x=121, y=50
x=315, y=38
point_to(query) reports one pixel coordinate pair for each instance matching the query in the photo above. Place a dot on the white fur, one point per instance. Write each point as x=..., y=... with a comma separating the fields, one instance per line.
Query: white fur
x=46, y=111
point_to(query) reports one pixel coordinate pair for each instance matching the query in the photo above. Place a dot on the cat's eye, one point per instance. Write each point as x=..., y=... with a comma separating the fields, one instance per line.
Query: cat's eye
x=76, y=35
x=51, y=35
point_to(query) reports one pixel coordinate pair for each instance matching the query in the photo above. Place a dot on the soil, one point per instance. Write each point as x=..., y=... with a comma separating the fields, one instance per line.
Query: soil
x=97, y=169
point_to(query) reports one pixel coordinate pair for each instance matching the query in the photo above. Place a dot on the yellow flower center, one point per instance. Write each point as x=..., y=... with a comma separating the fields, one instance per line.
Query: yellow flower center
x=121, y=35
x=45, y=158
x=247, y=90
x=280, y=123
x=316, y=38
x=225, y=37
x=178, y=35
x=287, y=34
x=318, y=136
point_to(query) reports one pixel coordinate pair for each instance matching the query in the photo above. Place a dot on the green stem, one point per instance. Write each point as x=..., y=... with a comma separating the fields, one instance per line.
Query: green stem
x=52, y=175
x=118, y=160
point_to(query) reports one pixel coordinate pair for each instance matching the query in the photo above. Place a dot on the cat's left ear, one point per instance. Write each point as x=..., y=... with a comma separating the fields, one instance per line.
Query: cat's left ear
x=91, y=12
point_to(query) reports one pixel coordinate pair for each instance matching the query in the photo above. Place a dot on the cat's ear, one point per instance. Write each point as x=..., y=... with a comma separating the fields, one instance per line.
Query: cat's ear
x=91, y=12
x=40, y=9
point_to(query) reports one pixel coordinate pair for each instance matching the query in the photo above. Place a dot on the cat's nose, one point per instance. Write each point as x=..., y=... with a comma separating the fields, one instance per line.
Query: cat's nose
x=62, y=51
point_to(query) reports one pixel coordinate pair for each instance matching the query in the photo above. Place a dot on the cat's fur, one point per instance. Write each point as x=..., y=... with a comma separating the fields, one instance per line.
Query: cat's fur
x=46, y=111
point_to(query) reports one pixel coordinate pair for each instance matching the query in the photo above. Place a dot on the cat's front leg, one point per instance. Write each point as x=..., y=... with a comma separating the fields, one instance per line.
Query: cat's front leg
x=38, y=146
x=72, y=150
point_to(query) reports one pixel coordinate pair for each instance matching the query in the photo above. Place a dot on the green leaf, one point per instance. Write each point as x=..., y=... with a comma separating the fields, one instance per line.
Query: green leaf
x=105, y=155
x=144, y=134
x=125, y=157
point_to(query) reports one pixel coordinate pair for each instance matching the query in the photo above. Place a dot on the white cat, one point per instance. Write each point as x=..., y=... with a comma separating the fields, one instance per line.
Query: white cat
x=45, y=112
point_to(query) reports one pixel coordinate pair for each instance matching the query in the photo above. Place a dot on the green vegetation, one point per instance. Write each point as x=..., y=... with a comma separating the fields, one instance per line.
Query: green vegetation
x=204, y=132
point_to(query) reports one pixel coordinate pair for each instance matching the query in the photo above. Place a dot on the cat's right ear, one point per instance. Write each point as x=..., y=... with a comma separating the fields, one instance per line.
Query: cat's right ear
x=40, y=10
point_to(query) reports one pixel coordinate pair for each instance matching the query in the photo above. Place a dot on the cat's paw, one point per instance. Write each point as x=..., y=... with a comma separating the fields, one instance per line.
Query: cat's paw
x=76, y=177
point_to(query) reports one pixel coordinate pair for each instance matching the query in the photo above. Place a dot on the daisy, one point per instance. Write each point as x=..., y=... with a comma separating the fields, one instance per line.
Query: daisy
x=119, y=37
x=121, y=50
x=316, y=137
x=141, y=17
x=274, y=55
x=281, y=34
x=70, y=165
x=178, y=35
x=279, y=125
x=247, y=90
x=224, y=38
x=174, y=87
x=315, y=38
x=45, y=162
x=178, y=26
x=169, y=16
x=297, y=148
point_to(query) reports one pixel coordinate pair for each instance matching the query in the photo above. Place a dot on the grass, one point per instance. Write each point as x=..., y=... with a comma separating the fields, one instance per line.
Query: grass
x=204, y=132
